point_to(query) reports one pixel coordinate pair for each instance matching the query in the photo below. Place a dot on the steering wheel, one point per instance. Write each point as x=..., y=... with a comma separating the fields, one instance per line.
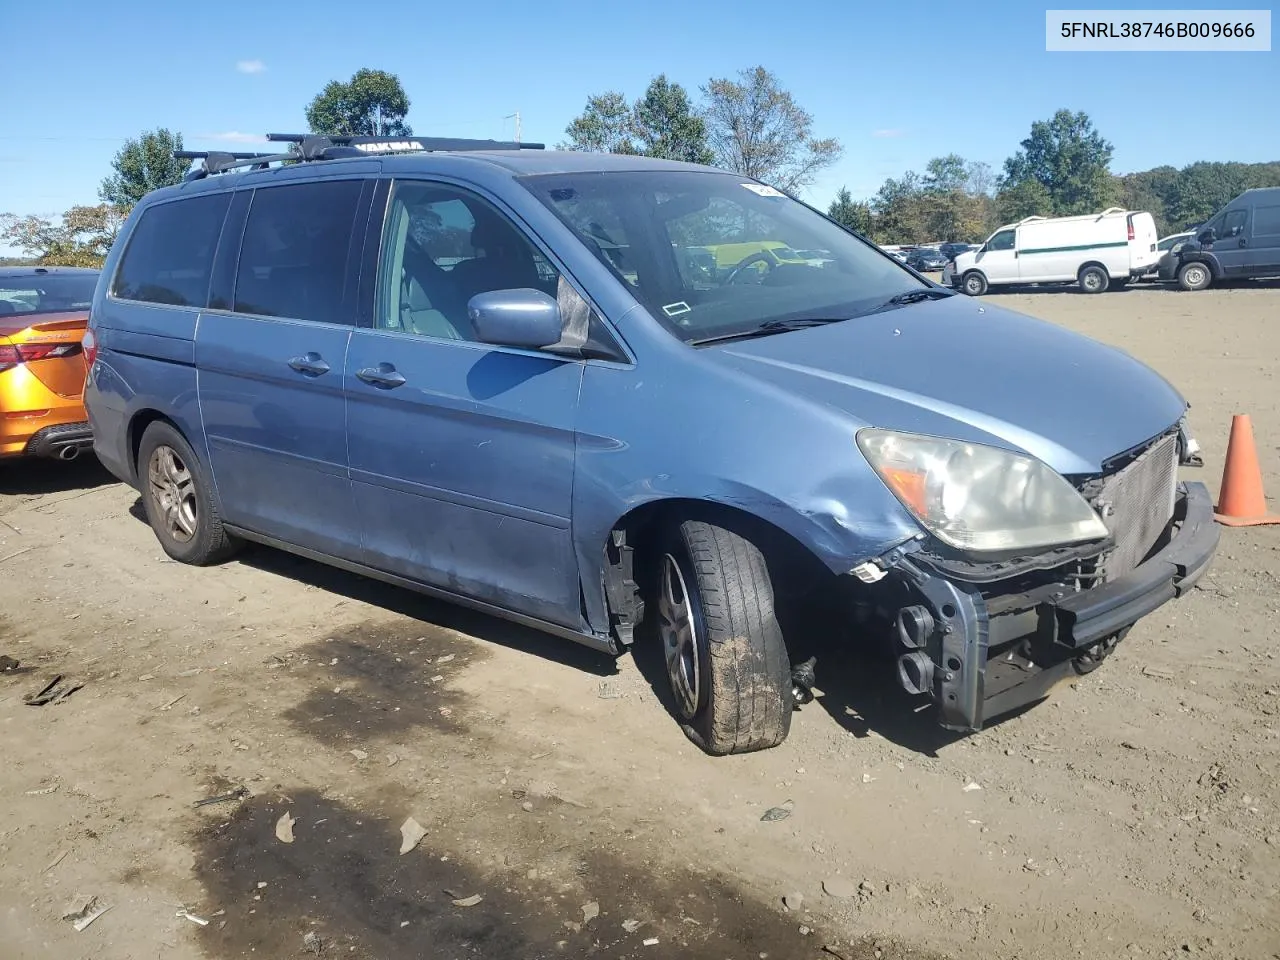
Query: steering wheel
x=758, y=257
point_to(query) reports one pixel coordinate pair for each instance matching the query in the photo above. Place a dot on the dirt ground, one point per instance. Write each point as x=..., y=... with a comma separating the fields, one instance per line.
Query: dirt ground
x=1133, y=814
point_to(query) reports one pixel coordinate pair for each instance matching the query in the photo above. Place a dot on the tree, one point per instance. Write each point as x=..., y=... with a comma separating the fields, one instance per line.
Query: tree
x=667, y=125
x=1070, y=159
x=756, y=128
x=945, y=174
x=663, y=123
x=980, y=179
x=607, y=125
x=371, y=104
x=142, y=165
x=850, y=214
x=81, y=237
x=1030, y=198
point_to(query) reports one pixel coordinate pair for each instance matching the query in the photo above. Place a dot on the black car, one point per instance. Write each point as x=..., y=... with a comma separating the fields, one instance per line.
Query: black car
x=926, y=260
x=949, y=251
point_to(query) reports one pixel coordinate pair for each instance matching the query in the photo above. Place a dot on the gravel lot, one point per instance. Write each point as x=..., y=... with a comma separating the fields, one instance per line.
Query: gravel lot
x=1133, y=814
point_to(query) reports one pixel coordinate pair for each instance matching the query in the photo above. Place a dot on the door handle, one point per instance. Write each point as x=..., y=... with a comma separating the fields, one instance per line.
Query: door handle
x=1244, y=241
x=311, y=364
x=384, y=375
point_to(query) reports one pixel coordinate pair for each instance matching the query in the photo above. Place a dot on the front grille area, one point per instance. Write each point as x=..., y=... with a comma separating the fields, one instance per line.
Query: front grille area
x=1136, y=503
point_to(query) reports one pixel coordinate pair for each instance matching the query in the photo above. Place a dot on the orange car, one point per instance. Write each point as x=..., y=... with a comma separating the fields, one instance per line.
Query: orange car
x=43, y=313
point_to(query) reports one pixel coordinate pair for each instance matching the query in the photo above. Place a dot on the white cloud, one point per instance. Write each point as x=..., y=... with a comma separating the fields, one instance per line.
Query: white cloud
x=232, y=136
x=888, y=133
x=250, y=66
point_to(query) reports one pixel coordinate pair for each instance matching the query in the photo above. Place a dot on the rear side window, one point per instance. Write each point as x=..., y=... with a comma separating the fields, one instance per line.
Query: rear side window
x=1266, y=221
x=293, y=260
x=170, y=253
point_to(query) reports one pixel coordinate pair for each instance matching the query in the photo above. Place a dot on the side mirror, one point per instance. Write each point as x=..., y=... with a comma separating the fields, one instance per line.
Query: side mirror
x=516, y=318
x=1207, y=235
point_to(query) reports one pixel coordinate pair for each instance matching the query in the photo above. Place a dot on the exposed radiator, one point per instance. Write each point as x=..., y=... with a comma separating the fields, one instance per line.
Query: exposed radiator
x=1137, y=503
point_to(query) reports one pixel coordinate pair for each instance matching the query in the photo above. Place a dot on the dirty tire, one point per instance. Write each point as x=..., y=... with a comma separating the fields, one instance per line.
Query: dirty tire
x=974, y=284
x=208, y=541
x=743, y=697
x=1093, y=280
x=1194, y=276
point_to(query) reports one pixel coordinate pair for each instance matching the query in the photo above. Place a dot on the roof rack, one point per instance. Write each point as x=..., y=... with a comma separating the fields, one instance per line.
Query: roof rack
x=307, y=147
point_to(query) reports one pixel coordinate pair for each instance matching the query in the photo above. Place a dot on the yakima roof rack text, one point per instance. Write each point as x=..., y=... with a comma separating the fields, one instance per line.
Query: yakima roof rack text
x=305, y=147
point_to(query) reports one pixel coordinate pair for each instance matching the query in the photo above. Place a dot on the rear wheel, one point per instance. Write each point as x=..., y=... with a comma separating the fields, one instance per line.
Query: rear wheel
x=974, y=283
x=178, y=499
x=1093, y=279
x=1194, y=276
x=726, y=660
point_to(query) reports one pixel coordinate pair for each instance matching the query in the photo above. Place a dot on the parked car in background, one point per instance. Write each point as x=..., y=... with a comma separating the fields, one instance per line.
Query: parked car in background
x=1094, y=251
x=926, y=260
x=43, y=312
x=276, y=355
x=952, y=249
x=1240, y=242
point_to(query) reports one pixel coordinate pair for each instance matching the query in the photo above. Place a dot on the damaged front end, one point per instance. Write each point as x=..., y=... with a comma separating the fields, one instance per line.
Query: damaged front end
x=982, y=638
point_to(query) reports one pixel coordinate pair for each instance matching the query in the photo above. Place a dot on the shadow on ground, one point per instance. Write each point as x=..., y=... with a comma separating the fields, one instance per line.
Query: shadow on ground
x=38, y=477
x=407, y=603
x=342, y=890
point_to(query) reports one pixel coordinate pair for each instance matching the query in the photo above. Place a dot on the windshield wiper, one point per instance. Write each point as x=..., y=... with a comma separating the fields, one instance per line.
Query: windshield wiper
x=916, y=296
x=780, y=325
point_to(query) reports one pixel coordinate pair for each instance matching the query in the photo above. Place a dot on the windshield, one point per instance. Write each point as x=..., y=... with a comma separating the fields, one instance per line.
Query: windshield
x=711, y=255
x=46, y=293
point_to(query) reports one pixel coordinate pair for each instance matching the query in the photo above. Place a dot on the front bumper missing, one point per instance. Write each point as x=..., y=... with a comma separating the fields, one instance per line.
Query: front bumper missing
x=1036, y=643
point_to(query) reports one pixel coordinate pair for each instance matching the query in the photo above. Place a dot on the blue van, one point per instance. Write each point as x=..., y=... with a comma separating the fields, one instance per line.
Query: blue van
x=498, y=375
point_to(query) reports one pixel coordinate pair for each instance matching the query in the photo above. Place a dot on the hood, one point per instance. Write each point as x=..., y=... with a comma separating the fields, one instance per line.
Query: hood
x=960, y=369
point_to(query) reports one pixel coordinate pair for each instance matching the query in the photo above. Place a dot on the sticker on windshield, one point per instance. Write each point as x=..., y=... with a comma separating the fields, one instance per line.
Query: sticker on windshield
x=763, y=190
x=675, y=309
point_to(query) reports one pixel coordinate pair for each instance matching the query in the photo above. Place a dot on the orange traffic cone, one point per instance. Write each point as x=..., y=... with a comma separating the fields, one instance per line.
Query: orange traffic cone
x=1241, y=502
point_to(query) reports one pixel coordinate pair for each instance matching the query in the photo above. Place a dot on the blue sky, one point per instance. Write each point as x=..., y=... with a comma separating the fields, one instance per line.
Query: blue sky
x=896, y=83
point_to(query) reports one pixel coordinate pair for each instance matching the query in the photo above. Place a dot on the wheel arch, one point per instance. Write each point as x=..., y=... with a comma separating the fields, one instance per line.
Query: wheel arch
x=138, y=423
x=1208, y=259
x=1093, y=263
x=620, y=560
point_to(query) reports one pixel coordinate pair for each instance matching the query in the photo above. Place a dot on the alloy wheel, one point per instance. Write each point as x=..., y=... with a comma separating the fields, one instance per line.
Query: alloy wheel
x=173, y=491
x=681, y=640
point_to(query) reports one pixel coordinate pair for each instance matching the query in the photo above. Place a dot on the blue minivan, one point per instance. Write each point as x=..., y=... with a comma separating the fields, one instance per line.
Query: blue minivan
x=499, y=376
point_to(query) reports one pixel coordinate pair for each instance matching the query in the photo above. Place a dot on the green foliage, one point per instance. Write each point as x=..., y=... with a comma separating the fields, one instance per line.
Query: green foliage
x=607, y=125
x=371, y=104
x=941, y=205
x=946, y=174
x=80, y=238
x=749, y=125
x=142, y=165
x=757, y=129
x=850, y=213
x=1180, y=199
x=1070, y=159
x=663, y=123
x=667, y=125
x=1030, y=198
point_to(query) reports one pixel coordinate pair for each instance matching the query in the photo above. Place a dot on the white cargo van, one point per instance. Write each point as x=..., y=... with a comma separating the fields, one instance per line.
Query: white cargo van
x=1096, y=251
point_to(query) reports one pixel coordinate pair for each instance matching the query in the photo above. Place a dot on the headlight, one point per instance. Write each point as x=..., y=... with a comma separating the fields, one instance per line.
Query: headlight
x=979, y=498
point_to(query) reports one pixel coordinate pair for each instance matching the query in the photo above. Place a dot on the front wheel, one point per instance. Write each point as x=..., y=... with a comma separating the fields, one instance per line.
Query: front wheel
x=1194, y=276
x=726, y=660
x=178, y=499
x=1093, y=280
x=974, y=284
